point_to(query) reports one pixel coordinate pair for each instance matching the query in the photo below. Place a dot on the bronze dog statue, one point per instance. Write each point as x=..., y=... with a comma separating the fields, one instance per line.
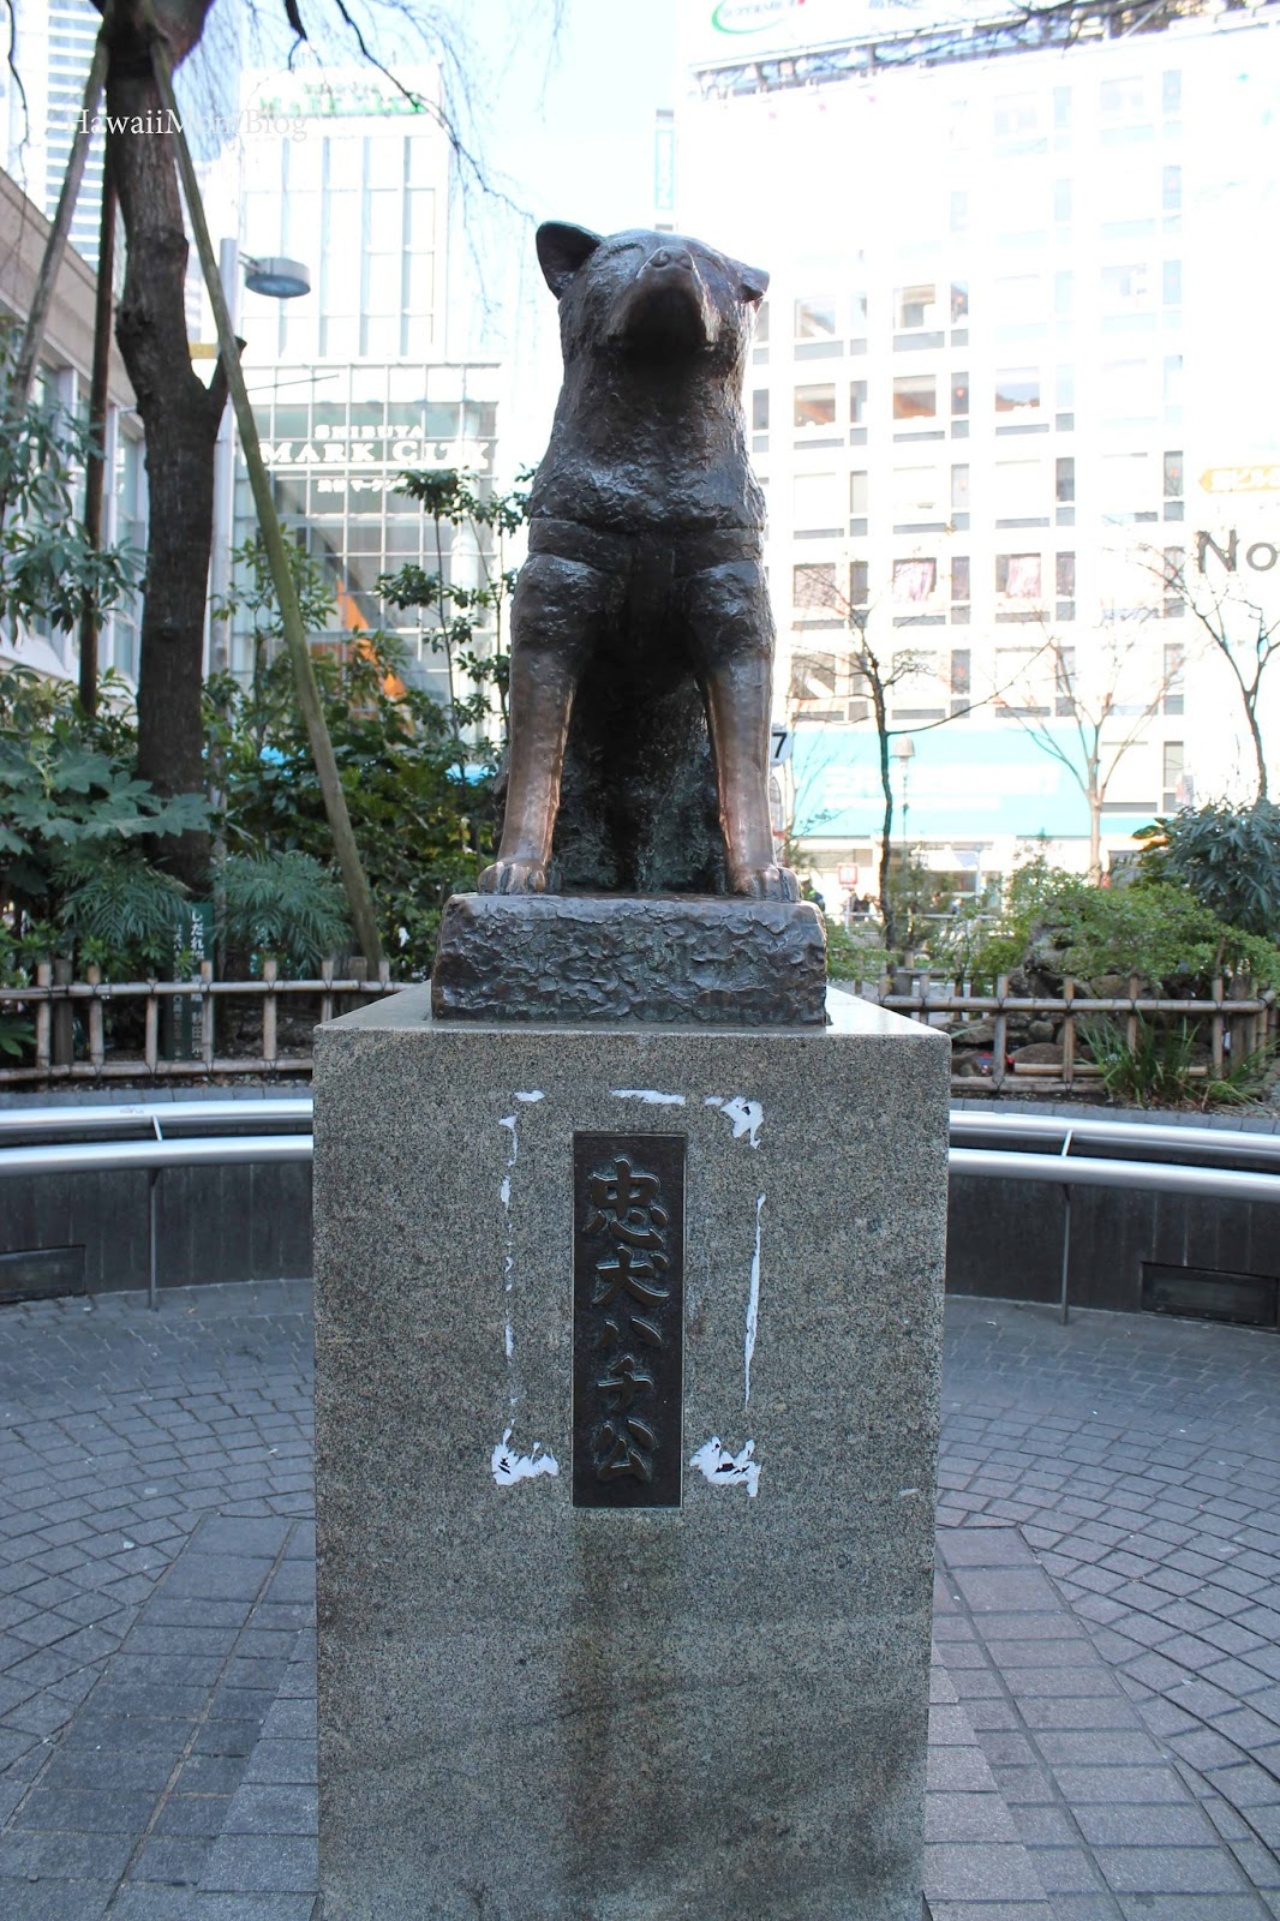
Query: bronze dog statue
x=642, y=641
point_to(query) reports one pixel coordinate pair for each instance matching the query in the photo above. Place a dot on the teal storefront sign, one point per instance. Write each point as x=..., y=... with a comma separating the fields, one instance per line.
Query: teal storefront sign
x=962, y=783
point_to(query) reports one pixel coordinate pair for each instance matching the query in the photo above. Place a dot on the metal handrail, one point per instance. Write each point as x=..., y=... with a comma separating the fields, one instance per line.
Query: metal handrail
x=121, y=1116
x=1229, y=1142
x=1060, y=1167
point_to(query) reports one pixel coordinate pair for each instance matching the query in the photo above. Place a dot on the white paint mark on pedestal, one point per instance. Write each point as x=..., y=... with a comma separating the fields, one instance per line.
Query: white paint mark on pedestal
x=723, y=1469
x=648, y=1095
x=747, y=1116
x=753, y=1310
x=535, y=1095
x=509, y=1122
x=508, y=1467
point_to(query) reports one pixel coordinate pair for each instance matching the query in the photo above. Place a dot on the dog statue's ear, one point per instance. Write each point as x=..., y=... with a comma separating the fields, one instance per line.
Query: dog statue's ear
x=754, y=284
x=562, y=250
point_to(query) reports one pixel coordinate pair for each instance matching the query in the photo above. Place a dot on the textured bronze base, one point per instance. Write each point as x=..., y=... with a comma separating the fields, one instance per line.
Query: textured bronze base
x=685, y=959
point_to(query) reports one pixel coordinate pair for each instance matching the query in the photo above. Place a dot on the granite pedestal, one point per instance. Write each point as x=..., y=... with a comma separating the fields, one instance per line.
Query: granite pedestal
x=533, y=1710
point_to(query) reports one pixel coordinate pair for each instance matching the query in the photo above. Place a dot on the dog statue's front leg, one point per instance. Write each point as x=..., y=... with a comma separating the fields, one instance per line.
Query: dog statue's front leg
x=554, y=617
x=732, y=631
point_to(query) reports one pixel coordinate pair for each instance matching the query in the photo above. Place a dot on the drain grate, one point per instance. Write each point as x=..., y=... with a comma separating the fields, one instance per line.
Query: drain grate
x=1210, y=1294
x=40, y=1273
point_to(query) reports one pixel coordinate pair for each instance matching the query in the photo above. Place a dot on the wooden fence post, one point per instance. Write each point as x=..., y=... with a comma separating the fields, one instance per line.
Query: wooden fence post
x=63, y=1017
x=270, y=968
x=97, y=1045
x=999, y=1033
x=44, y=1015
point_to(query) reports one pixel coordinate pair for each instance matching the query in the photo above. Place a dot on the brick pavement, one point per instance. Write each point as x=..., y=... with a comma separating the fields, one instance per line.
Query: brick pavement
x=1106, y=1721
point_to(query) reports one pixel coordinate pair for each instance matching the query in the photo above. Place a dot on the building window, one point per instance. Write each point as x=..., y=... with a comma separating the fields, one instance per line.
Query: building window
x=915, y=307
x=760, y=410
x=858, y=403
x=1124, y=102
x=762, y=324
x=859, y=583
x=1064, y=293
x=815, y=319
x=1064, y=681
x=1025, y=677
x=1017, y=390
x=1021, y=490
x=1174, y=562
x=959, y=212
x=1173, y=770
x=960, y=490
x=815, y=406
x=918, y=493
x=1065, y=576
x=914, y=580
x=1018, y=576
x=813, y=587
x=961, y=677
x=960, y=577
x=1171, y=91
x=1062, y=200
x=1173, y=388
x=859, y=493
x=959, y=395
x=915, y=397
x=1171, y=190
x=816, y=503
x=1126, y=287
x=1173, y=475
x=1174, y=688
x=1065, y=479
x=1173, y=283
x=1018, y=116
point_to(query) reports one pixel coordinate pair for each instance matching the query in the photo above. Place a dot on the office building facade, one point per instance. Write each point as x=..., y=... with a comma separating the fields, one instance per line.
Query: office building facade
x=351, y=383
x=1010, y=326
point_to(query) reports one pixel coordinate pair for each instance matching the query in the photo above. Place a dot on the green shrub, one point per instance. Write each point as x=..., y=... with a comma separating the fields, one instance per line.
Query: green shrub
x=1228, y=856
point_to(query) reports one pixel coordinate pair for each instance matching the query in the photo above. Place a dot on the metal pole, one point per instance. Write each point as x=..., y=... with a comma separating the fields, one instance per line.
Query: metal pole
x=153, y=1284
x=224, y=482
x=1066, y=1251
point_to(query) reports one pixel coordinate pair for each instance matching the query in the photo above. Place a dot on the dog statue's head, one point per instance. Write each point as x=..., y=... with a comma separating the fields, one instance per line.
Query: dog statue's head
x=651, y=295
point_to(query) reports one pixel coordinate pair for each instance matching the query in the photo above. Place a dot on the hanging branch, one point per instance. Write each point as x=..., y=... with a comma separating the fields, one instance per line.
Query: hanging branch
x=359, y=899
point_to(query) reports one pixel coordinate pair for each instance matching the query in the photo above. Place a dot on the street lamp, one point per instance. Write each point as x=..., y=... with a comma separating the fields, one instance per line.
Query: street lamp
x=279, y=279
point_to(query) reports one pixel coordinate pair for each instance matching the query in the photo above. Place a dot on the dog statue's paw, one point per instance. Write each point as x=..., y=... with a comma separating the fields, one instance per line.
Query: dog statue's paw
x=514, y=877
x=766, y=883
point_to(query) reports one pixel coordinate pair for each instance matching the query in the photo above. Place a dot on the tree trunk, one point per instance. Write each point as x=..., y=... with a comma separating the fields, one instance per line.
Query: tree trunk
x=1095, y=836
x=180, y=417
x=886, y=835
x=1251, y=714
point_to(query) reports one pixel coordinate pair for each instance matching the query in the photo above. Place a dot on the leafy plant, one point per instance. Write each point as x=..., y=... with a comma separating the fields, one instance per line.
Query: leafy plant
x=50, y=571
x=285, y=904
x=1228, y=856
x=1156, y=1072
x=1058, y=923
x=467, y=624
x=66, y=794
x=121, y=910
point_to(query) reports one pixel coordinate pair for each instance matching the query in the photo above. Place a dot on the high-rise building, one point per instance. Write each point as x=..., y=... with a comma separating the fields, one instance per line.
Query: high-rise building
x=351, y=383
x=1017, y=312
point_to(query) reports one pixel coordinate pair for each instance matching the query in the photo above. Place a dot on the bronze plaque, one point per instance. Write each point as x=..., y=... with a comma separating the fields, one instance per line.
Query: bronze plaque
x=628, y=1319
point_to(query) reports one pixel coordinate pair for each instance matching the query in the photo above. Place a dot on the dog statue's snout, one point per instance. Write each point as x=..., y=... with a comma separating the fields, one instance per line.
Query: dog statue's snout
x=670, y=257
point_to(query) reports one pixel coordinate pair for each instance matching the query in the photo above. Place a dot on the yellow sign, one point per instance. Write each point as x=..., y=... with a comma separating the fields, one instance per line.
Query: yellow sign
x=1242, y=480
